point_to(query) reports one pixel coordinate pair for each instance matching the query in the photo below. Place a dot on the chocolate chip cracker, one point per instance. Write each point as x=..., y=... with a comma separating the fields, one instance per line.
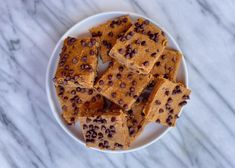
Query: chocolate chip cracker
x=167, y=64
x=109, y=32
x=105, y=130
x=140, y=47
x=136, y=120
x=75, y=100
x=121, y=86
x=78, y=62
x=166, y=101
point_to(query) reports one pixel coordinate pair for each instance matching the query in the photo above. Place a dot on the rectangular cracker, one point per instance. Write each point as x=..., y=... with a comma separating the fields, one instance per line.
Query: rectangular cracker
x=108, y=33
x=167, y=64
x=78, y=62
x=121, y=86
x=105, y=130
x=140, y=47
x=166, y=101
x=75, y=100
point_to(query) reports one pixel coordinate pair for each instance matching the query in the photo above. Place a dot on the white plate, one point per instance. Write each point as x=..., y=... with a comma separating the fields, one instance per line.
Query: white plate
x=153, y=131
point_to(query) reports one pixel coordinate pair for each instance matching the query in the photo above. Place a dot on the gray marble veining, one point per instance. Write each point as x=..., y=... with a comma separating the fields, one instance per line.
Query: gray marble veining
x=205, y=134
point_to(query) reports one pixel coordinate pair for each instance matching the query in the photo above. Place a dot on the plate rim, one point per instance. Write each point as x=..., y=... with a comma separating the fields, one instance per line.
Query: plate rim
x=52, y=55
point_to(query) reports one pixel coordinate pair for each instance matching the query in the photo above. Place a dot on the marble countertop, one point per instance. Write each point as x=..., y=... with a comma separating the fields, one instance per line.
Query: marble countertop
x=31, y=137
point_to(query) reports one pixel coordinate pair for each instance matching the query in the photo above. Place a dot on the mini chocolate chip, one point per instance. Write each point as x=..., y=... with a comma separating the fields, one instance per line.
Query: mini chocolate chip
x=64, y=107
x=158, y=120
x=154, y=54
x=138, y=41
x=120, y=102
x=158, y=63
x=110, y=64
x=158, y=102
x=85, y=126
x=163, y=57
x=122, y=85
x=71, y=40
x=99, y=89
x=88, y=120
x=92, y=52
x=110, y=34
x=161, y=110
x=185, y=97
x=101, y=82
x=146, y=63
x=74, y=60
x=133, y=82
x=73, y=92
x=129, y=76
x=143, y=43
x=170, y=100
x=90, y=92
x=124, y=20
x=121, y=51
x=171, y=111
x=167, y=92
x=83, y=43
x=146, y=22
x=118, y=76
x=110, y=77
x=182, y=103
x=110, y=83
x=121, y=68
x=132, y=89
x=84, y=58
x=125, y=106
x=113, y=94
x=78, y=89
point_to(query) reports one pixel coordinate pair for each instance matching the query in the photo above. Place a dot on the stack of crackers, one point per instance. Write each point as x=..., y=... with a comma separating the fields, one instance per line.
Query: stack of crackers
x=138, y=87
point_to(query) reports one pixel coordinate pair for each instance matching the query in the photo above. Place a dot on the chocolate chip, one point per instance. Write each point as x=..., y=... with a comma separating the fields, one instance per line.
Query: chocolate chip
x=120, y=102
x=110, y=34
x=154, y=54
x=146, y=22
x=158, y=63
x=101, y=82
x=73, y=92
x=132, y=89
x=71, y=40
x=161, y=110
x=133, y=82
x=84, y=58
x=110, y=64
x=121, y=51
x=122, y=85
x=96, y=34
x=90, y=92
x=110, y=77
x=88, y=120
x=146, y=63
x=168, y=106
x=182, y=103
x=121, y=68
x=167, y=92
x=125, y=106
x=129, y=76
x=185, y=97
x=143, y=43
x=158, y=102
x=158, y=120
x=64, y=107
x=99, y=89
x=85, y=126
x=171, y=111
x=113, y=119
x=170, y=100
x=74, y=60
x=92, y=52
x=124, y=20
x=103, y=128
x=138, y=41
x=163, y=57
x=118, y=76
x=113, y=94
x=83, y=43
x=110, y=83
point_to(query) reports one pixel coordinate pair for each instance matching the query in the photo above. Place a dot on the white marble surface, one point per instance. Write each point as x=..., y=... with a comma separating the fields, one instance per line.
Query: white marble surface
x=29, y=134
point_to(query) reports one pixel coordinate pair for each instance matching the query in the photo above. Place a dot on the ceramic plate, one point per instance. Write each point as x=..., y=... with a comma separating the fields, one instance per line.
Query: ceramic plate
x=153, y=131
